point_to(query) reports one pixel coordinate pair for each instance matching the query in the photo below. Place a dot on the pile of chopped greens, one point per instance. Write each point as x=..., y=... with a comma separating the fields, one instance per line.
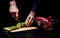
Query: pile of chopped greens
x=17, y=26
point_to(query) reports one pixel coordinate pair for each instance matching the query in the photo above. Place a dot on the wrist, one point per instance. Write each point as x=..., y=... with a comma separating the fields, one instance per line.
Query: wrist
x=32, y=13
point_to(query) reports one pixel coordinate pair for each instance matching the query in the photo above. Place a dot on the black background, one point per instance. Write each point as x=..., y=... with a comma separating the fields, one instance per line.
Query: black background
x=46, y=8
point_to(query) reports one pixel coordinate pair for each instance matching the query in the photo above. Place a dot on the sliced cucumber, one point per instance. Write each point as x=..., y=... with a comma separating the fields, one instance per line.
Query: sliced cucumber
x=18, y=25
x=23, y=24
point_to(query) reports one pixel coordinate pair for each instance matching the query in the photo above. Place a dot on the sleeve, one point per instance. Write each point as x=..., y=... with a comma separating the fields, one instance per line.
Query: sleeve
x=35, y=5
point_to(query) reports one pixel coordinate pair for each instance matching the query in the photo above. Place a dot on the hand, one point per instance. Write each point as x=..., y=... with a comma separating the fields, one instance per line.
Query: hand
x=30, y=19
x=13, y=9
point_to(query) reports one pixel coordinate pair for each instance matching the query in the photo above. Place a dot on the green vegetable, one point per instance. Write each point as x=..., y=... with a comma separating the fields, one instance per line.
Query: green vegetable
x=23, y=24
x=12, y=27
x=18, y=25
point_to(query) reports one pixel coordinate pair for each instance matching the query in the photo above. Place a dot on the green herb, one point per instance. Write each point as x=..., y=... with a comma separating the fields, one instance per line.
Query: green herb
x=12, y=27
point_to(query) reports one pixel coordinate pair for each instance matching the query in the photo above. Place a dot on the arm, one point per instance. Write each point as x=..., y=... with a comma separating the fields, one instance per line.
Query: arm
x=35, y=5
x=31, y=15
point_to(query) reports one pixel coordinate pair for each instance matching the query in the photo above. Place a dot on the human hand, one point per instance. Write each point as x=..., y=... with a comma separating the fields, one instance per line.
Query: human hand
x=30, y=19
x=13, y=9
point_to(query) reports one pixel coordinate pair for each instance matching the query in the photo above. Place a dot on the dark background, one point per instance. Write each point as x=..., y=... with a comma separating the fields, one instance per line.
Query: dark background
x=46, y=8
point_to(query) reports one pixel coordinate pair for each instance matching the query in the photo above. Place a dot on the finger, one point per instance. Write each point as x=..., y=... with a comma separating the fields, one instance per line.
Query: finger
x=16, y=16
x=30, y=20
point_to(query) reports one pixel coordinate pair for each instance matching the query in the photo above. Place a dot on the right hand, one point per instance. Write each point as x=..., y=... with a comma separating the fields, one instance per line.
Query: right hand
x=13, y=10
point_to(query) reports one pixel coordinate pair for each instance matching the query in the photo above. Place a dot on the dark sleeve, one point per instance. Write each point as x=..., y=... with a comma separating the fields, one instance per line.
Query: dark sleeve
x=35, y=5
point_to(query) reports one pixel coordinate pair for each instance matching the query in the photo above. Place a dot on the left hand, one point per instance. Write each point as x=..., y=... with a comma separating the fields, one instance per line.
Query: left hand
x=30, y=19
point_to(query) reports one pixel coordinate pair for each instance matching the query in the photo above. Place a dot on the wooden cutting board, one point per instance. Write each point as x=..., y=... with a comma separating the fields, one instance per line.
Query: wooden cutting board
x=22, y=29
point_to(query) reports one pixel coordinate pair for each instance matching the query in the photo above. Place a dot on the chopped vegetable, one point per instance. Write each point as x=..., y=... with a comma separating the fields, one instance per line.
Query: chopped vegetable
x=18, y=25
x=12, y=27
